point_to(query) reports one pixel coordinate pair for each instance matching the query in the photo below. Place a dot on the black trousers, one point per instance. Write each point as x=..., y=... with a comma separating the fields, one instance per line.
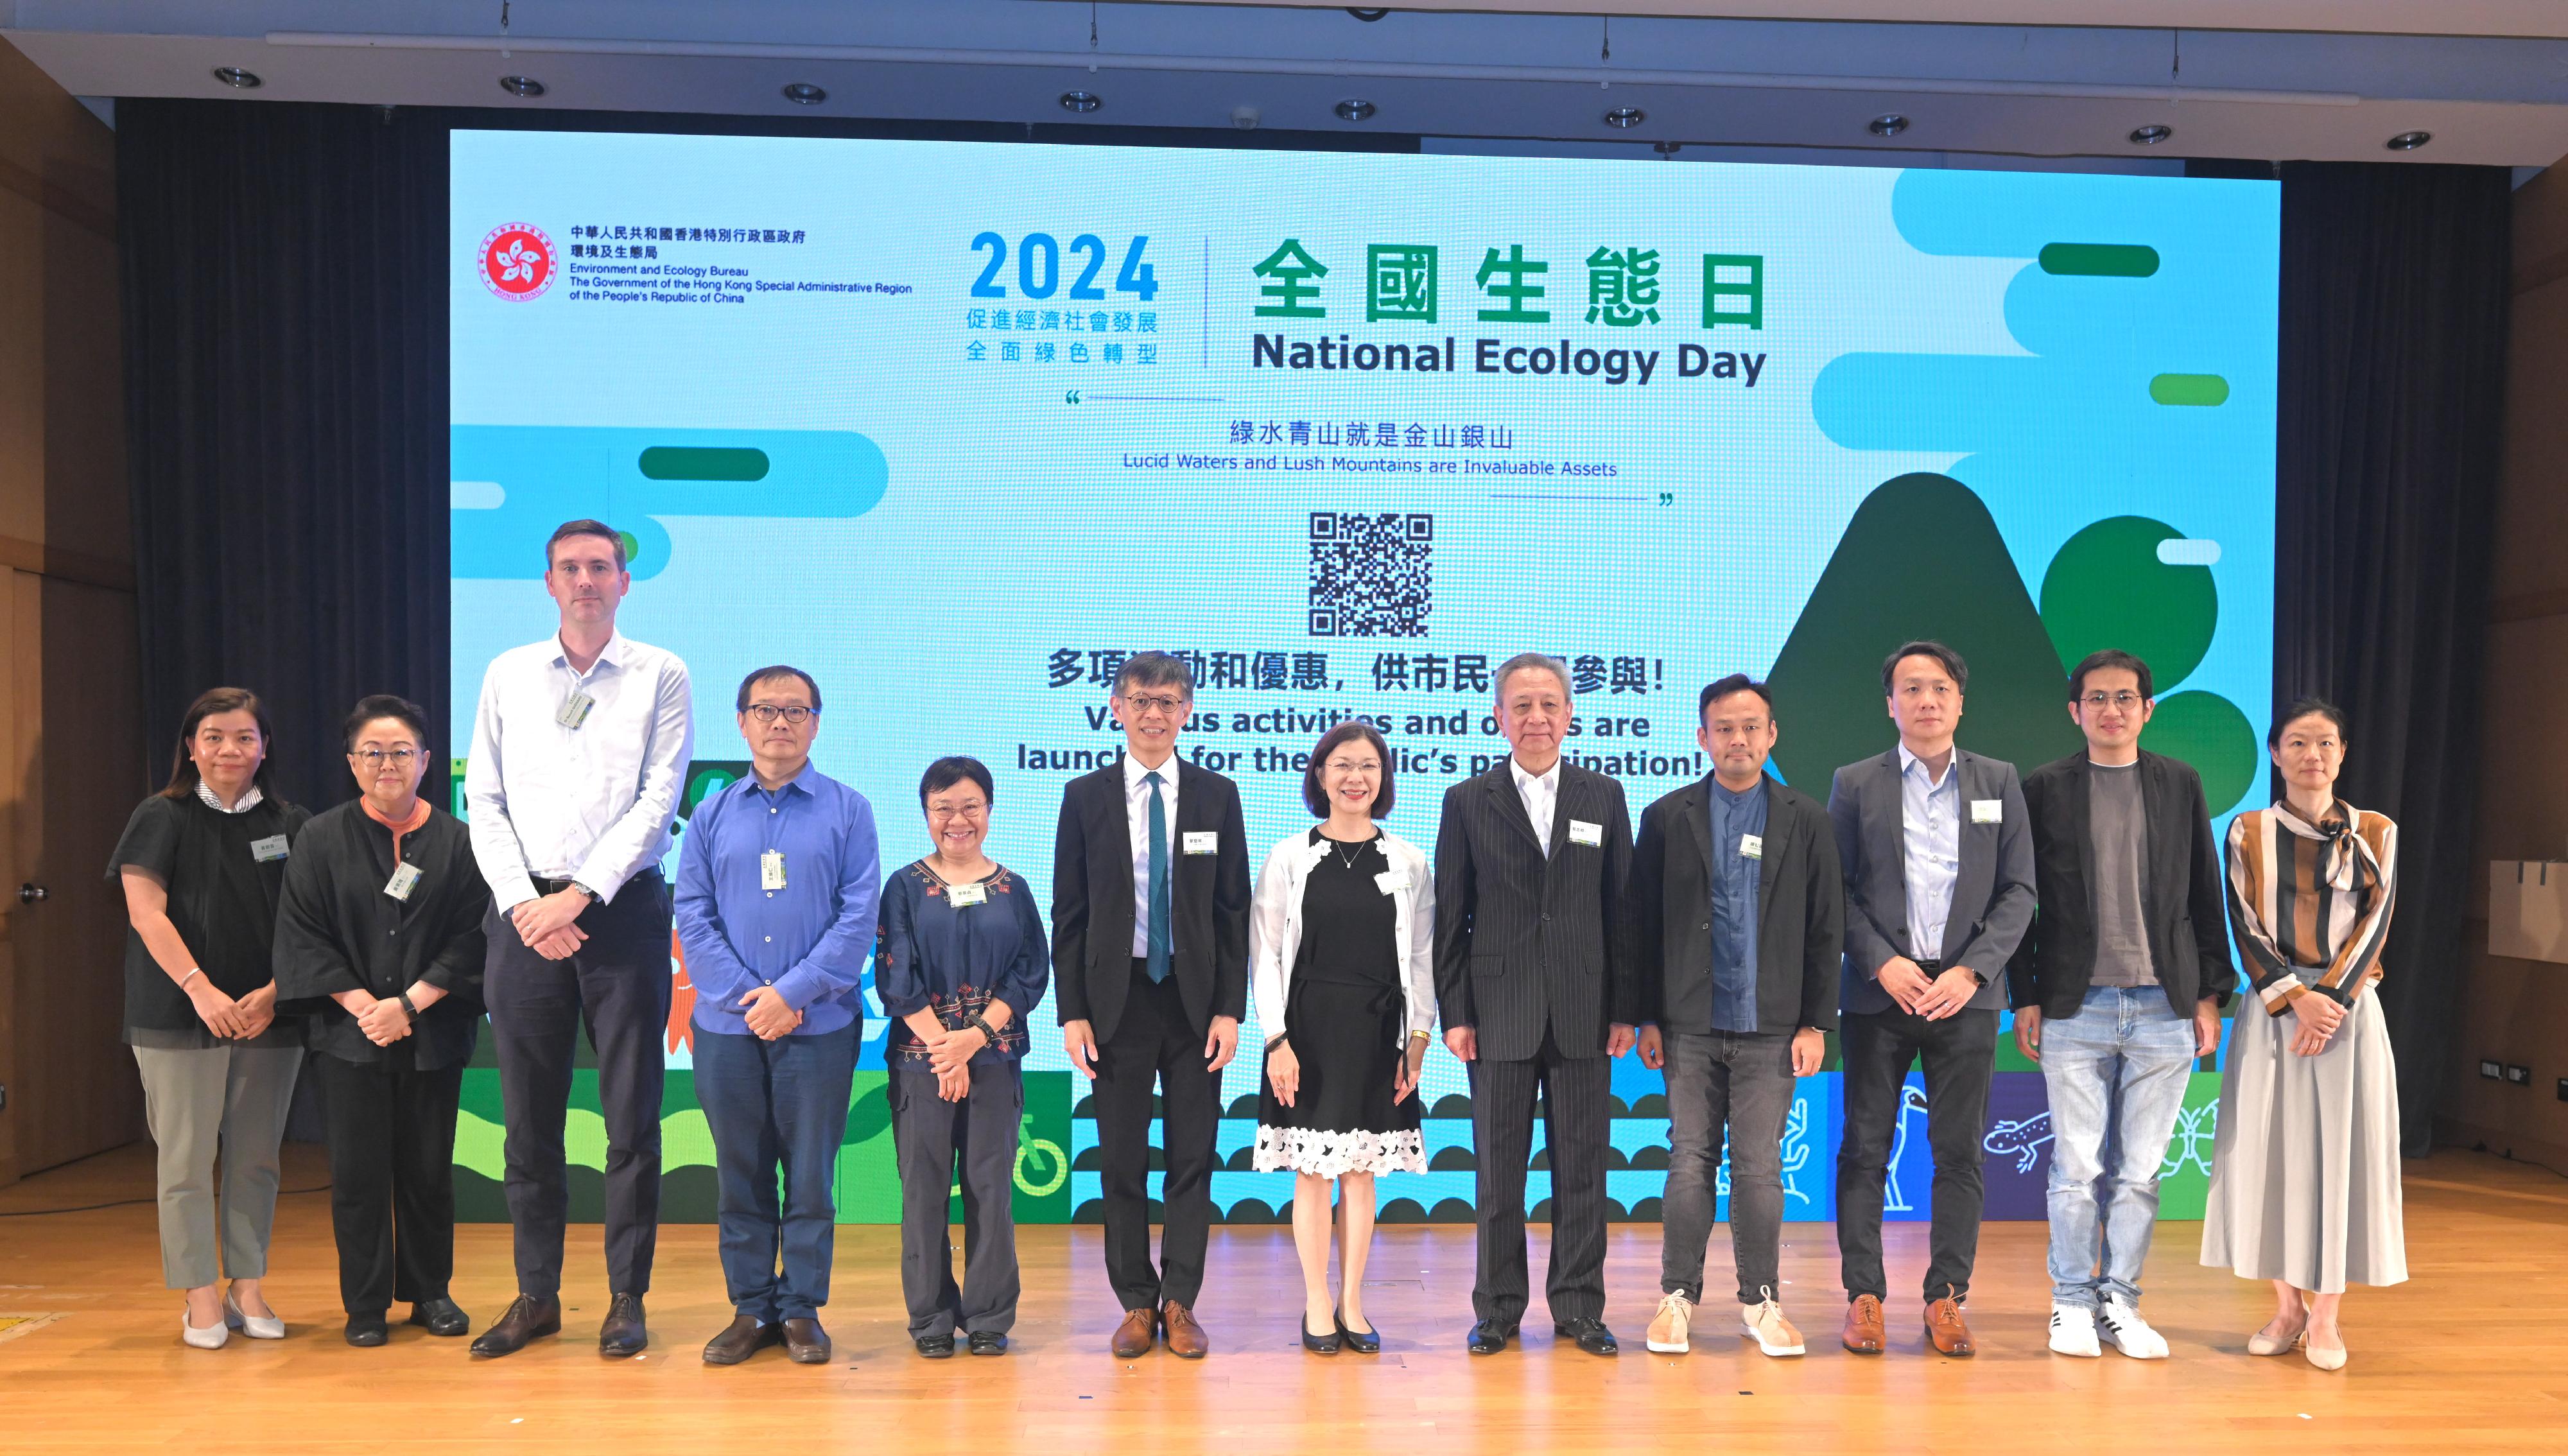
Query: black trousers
x=1960, y=1057
x=1154, y=1043
x=617, y=986
x=1578, y=1127
x=389, y=1130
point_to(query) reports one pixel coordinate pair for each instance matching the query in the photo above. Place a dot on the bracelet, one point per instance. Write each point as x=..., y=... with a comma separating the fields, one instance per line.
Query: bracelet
x=1420, y=1036
x=980, y=1023
x=192, y=972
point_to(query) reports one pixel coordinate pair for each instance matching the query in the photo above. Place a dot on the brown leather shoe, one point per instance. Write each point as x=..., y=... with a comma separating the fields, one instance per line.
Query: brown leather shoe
x=1186, y=1338
x=1863, y=1334
x=805, y=1342
x=1945, y=1326
x=1135, y=1336
x=745, y=1338
x=527, y=1318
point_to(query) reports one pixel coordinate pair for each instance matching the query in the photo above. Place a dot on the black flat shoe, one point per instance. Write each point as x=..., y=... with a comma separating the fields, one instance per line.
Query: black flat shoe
x=936, y=1346
x=988, y=1343
x=1488, y=1338
x=1362, y=1341
x=367, y=1329
x=1320, y=1344
x=1591, y=1335
x=440, y=1316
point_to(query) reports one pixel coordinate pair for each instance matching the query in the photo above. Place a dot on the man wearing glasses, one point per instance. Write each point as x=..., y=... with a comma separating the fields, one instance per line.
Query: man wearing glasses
x=1150, y=909
x=579, y=746
x=776, y=887
x=2116, y=988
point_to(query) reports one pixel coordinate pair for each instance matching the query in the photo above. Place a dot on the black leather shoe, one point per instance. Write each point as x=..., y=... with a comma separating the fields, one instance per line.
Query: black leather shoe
x=1591, y=1334
x=440, y=1316
x=805, y=1342
x=745, y=1336
x=527, y=1318
x=623, y=1335
x=1488, y=1338
x=367, y=1329
x=936, y=1346
x=989, y=1343
x=1362, y=1341
x=1320, y=1344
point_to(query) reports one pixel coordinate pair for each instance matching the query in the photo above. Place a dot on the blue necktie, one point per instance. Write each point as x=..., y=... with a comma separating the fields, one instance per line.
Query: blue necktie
x=1159, y=964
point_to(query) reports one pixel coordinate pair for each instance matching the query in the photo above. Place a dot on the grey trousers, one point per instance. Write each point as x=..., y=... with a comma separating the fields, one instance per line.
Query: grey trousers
x=1740, y=1082
x=226, y=1099
x=930, y=1137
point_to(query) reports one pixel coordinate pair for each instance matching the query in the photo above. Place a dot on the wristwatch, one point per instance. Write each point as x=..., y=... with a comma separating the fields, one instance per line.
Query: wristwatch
x=980, y=1023
x=593, y=896
x=408, y=1010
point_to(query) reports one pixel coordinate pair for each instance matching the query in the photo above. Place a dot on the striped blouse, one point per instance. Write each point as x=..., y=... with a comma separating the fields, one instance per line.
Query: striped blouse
x=2310, y=904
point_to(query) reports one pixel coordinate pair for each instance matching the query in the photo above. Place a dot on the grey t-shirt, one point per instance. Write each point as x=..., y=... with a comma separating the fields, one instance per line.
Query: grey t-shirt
x=2119, y=829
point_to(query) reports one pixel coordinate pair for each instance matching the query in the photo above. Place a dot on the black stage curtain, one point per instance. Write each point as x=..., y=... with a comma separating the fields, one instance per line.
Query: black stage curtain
x=2395, y=293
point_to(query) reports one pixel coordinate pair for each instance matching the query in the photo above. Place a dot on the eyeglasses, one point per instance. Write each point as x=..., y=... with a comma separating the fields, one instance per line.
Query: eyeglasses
x=770, y=713
x=1341, y=766
x=2125, y=700
x=375, y=758
x=1161, y=701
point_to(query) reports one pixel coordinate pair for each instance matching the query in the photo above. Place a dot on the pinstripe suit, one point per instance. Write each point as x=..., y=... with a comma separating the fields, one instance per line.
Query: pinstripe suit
x=1529, y=954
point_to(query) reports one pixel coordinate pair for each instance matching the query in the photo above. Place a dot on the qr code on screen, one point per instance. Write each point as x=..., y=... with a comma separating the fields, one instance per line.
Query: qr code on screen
x=1372, y=575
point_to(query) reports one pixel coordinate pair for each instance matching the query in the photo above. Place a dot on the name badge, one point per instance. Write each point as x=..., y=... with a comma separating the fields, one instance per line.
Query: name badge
x=273, y=847
x=1203, y=841
x=770, y=870
x=575, y=709
x=1582, y=832
x=405, y=879
x=1392, y=880
x=1987, y=811
x=1752, y=846
x=964, y=896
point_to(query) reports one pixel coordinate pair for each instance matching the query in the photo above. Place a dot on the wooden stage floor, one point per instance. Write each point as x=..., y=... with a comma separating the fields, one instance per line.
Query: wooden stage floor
x=2466, y=1358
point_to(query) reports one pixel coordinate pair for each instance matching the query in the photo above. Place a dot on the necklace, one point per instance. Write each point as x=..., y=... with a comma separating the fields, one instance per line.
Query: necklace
x=1344, y=858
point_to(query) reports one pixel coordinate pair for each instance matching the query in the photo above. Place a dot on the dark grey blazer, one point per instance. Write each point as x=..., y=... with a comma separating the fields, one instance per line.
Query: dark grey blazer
x=1800, y=913
x=1523, y=941
x=1992, y=894
x=1092, y=901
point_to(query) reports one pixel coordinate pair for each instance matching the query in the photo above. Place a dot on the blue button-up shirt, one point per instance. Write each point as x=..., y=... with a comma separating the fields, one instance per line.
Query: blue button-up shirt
x=1734, y=879
x=1930, y=844
x=810, y=939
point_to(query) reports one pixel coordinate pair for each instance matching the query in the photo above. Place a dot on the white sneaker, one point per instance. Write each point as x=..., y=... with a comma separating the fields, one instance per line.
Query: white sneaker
x=2072, y=1331
x=1668, y=1332
x=1766, y=1325
x=2128, y=1332
x=212, y=1337
x=257, y=1327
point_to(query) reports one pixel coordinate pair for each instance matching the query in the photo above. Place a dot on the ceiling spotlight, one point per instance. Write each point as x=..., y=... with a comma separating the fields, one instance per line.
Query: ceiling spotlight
x=1624, y=119
x=1368, y=13
x=1355, y=110
x=526, y=87
x=2409, y=140
x=2151, y=135
x=805, y=94
x=1888, y=123
x=237, y=78
x=1667, y=148
x=1081, y=101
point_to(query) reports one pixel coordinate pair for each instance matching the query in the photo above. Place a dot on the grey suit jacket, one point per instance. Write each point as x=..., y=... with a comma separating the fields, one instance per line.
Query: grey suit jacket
x=1993, y=894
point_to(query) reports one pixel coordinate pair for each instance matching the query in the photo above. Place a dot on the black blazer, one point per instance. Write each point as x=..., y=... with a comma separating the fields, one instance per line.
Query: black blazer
x=1092, y=901
x=1800, y=913
x=2181, y=889
x=1523, y=941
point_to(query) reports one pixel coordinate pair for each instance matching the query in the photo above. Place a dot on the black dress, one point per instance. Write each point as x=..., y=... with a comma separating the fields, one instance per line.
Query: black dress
x=1345, y=1021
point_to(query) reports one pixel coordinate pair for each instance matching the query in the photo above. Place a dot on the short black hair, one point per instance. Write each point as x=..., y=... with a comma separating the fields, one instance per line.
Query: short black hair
x=585, y=527
x=1156, y=670
x=2304, y=708
x=1316, y=798
x=952, y=769
x=1734, y=682
x=1954, y=667
x=2112, y=657
x=778, y=670
x=384, y=704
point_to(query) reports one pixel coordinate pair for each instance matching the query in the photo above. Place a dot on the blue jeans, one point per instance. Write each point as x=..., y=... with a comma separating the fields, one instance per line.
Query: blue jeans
x=775, y=1106
x=2117, y=1074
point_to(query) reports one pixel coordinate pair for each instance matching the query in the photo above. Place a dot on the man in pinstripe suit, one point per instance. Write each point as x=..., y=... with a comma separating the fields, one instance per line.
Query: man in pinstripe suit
x=1534, y=981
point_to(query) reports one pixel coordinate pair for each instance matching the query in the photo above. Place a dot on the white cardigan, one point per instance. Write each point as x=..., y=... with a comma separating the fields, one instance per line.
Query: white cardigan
x=1275, y=928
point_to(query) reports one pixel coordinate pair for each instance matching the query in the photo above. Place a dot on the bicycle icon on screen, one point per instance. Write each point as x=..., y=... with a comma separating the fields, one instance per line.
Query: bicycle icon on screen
x=1043, y=1153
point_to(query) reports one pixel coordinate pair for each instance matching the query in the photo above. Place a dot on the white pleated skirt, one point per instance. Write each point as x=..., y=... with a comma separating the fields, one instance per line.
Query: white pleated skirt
x=2305, y=1162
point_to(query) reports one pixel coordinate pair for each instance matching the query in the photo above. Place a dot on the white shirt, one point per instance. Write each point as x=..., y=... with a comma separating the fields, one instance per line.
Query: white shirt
x=250, y=798
x=1930, y=841
x=1136, y=817
x=590, y=803
x=1541, y=793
